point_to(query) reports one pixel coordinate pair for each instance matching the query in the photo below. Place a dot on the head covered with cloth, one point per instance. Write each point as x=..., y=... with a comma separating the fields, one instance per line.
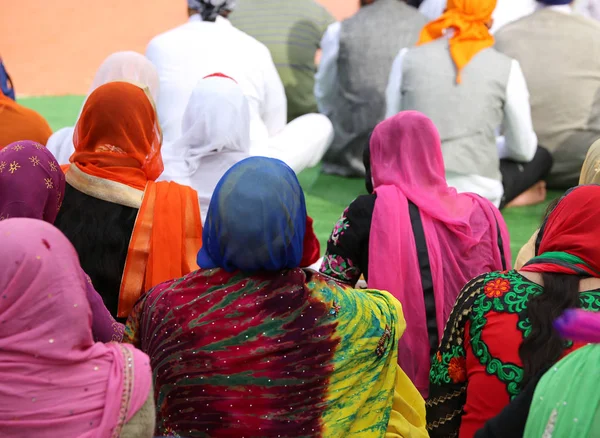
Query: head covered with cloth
x=565, y=254
x=54, y=379
x=465, y=234
x=31, y=182
x=291, y=349
x=117, y=159
x=270, y=238
x=466, y=23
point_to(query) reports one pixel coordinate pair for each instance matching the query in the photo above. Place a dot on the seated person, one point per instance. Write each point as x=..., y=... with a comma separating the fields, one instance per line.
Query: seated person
x=120, y=66
x=590, y=174
x=208, y=43
x=130, y=232
x=434, y=238
x=350, y=83
x=33, y=186
x=563, y=77
x=567, y=400
x=468, y=89
x=292, y=31
x=574, y=325
x=19, y=123
x=210, y=143
x=252, y=345
x=55, y=381
x=500, y=334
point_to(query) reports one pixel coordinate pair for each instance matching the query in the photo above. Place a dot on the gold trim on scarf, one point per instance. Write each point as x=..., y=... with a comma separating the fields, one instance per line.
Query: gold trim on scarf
x=104, y=189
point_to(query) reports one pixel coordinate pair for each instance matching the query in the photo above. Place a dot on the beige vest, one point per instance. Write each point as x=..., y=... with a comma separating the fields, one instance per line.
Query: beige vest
x=466, y=114
x=560, y=57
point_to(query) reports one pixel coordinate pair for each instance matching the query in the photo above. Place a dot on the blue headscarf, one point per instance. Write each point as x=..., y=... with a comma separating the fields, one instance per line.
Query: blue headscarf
x=256, y=220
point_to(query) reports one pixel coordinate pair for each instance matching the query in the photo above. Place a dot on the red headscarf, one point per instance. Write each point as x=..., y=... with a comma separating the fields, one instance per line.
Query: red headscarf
x=567, y=240
x=117, y=136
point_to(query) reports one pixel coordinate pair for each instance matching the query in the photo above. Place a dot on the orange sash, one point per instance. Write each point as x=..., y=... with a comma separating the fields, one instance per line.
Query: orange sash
x=166, y=238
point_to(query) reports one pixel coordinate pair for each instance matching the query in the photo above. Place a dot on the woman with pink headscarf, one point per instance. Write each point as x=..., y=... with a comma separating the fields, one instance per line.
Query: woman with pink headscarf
x=54, y=380
x=414, y=236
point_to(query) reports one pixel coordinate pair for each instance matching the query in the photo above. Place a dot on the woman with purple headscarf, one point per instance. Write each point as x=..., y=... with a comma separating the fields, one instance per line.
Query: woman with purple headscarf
x=32, y=185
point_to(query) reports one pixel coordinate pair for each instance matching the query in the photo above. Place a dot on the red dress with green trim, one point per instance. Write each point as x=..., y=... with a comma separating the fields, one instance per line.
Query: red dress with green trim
x=477, y=370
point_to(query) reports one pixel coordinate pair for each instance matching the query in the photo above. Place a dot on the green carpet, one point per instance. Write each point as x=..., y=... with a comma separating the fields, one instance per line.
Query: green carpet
x=326, y=196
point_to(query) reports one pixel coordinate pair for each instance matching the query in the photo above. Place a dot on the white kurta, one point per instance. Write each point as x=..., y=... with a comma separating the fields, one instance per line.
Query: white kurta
x=188, y=53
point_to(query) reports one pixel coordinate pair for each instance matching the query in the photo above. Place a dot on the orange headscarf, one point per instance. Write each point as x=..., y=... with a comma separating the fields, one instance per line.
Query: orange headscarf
x=118, y=138
x=18, y=123
x=468, y=19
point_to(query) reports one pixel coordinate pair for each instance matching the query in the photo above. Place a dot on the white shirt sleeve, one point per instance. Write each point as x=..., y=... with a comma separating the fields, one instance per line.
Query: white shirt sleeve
x=274, y=108
x=393, y=92
x=432, y=9
x=326, y=89
x=521, y=140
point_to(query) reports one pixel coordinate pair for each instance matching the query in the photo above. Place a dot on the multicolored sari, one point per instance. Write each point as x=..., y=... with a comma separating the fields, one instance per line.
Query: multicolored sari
x=271, y=350
x=276, y=354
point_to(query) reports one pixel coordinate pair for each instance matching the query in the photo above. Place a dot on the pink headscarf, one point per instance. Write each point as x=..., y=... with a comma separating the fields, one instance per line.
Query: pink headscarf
x=54, y=381
x=460, y=229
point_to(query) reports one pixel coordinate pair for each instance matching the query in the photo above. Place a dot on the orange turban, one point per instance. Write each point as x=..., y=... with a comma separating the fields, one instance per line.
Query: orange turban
x=468, y=19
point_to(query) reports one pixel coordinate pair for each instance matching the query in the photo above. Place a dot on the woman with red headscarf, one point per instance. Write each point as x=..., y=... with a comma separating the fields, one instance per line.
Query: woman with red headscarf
x=414, y=236
x=500, y=335
x=131, y=233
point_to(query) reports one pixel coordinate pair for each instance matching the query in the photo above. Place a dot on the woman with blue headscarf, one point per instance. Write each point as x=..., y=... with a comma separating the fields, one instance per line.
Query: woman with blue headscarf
x=252, y=345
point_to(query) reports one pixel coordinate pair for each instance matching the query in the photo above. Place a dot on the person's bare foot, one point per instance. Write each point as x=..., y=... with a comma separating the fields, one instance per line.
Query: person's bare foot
x=534, y=195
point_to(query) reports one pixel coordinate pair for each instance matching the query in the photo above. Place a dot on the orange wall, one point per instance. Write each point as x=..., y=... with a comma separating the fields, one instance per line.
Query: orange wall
x=54, y=47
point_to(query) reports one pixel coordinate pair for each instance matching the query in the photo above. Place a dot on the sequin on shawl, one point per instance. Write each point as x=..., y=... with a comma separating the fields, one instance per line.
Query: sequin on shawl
x=275, y=354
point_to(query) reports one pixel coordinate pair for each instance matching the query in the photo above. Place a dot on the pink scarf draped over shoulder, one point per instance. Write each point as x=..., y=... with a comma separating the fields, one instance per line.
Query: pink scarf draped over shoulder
x=54, y=380
x=461, y=232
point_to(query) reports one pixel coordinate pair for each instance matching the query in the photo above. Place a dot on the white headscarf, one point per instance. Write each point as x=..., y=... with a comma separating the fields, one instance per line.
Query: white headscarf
x=120, y=66
x=216, y=135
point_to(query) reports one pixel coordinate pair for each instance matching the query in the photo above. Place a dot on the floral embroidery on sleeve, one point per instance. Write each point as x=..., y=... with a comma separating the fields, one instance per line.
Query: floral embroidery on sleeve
x=340, y=268
x=340, y=227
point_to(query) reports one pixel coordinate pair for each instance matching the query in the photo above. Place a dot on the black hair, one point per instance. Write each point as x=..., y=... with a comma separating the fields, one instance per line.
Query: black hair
x=100, y=231
x=544, y=346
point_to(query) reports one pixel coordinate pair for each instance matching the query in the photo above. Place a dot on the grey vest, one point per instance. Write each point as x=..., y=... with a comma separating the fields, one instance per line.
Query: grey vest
x=466, y=114
x=560, y=58
x=369, y=43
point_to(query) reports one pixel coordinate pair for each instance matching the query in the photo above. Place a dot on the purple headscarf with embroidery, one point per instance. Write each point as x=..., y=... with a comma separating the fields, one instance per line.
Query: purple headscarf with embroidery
x=32, y=185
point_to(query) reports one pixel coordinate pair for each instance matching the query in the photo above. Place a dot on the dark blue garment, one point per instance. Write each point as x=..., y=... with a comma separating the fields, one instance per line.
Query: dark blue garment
x=256, y=219
x=5, y=82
